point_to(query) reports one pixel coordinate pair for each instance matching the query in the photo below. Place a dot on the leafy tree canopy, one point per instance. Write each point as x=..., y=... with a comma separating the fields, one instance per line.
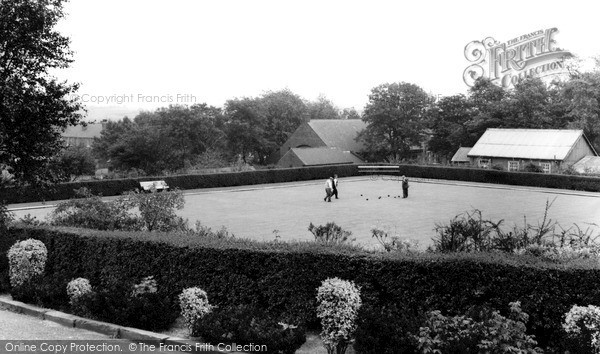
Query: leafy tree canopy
x=34, y=106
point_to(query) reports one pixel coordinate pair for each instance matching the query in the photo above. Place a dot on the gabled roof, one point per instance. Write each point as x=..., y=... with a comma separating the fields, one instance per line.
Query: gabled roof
x=543, y=144
x=588, y=164
x=324, y=156
x=91, y=130
x=461, y=155
x=339, y=133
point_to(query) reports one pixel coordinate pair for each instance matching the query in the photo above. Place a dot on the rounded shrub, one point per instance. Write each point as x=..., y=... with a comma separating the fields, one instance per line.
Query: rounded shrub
x=338, y=304
x=194, y=305
x=77, y=288
x=26, y=259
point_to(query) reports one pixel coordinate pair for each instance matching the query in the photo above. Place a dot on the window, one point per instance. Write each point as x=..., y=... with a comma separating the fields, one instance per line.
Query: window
x=484, y=163
x=513, y=165
x=546, y=167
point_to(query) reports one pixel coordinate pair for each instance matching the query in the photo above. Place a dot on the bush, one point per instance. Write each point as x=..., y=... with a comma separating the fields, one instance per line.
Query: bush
x=329, y=233
x=387, y=329
x=247, y=324
x=490, y=333
x=583, y=327
x=338, y=304
x=395, y=243
x=79, y=291
x=89, y=211
x=157, y=210
x=194, y=305
x=26, y=260
x=531, y=167
x=279, y=279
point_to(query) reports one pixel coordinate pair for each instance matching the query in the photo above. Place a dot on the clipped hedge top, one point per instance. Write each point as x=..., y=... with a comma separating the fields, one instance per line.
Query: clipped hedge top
x=193, y=241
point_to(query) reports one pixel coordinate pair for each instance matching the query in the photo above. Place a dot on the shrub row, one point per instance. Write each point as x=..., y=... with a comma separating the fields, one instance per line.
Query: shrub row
x=118, y=186
x=282, y=278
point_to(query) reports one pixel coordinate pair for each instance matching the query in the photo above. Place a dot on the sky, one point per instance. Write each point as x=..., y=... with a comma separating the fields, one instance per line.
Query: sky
x=149, y=54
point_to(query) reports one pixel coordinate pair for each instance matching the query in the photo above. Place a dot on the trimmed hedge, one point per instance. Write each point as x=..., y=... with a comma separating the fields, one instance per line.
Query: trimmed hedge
x=282, y=278
x=118, y=186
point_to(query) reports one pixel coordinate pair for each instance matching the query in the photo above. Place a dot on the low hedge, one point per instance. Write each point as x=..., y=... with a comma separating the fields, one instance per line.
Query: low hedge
x=282, y=278
x=230, y=179
x=118, y=186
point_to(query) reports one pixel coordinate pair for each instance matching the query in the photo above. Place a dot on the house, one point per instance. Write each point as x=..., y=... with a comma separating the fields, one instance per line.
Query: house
x=461, y=156
x=299, y=157
x=513, y=149
x=80, y=135
x=330, y=141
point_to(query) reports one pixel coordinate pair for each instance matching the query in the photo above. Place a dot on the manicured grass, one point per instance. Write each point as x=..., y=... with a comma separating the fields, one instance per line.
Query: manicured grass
x=290, y=208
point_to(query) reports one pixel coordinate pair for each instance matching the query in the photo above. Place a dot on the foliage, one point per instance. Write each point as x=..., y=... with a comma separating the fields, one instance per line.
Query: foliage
x=146, y=286
x=492, y=333
x=270, y=175
x=531, y=167
x=329, y=233
x=157, y=210
x=78, y=287
x=387, y=329
x=90, y=211
x=194, y=305
x=394, y=243
x=26, y=259
x=582, y=323
x=79, y=291
x=74, y=161
x=338, y=304
x=5, y=216
x=395, y=115
x=266, y=275
x=167, y=139
x=247, y=324
x=35, y=107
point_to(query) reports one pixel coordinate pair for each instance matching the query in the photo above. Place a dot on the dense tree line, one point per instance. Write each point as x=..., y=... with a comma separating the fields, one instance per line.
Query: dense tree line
x=180, y=137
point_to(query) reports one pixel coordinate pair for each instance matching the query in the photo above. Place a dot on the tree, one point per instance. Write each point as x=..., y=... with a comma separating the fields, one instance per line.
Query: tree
x=322, y=108
x=35, y=108
x=395, y=116
x=447, y=121
x=75, y=161
x=167, y=139
x=581, y=96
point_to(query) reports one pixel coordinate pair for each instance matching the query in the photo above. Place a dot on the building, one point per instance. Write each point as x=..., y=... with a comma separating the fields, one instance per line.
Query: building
x=80, y=135
x=328, y=141
x=461, y=156
x=513, y=149
x=299, y=157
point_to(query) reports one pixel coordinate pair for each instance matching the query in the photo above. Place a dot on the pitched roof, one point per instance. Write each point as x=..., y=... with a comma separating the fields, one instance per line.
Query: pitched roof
x=91, y=130
x=324, y=156
x=339, y=133
x=588, y=164
x=544, y=144
x=461, y=155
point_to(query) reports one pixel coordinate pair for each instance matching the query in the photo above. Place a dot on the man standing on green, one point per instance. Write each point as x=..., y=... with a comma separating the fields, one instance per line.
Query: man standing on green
x=404, y=187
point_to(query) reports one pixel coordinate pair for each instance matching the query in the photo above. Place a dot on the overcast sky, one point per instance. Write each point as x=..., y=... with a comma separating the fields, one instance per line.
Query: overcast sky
x=212, y=51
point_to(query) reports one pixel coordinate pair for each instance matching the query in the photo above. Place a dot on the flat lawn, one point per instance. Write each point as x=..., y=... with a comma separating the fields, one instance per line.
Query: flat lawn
x=290, y=208
x=256, y=211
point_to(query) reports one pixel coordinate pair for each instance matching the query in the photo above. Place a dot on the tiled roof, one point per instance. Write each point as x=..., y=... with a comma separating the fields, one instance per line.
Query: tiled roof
x=461, y=155
x=339, y=133
x=324, y=156
x=544, y=144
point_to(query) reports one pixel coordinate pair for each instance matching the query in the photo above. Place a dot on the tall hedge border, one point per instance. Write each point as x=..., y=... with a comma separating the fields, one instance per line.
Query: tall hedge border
x=118, y=186
x=283, y=278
